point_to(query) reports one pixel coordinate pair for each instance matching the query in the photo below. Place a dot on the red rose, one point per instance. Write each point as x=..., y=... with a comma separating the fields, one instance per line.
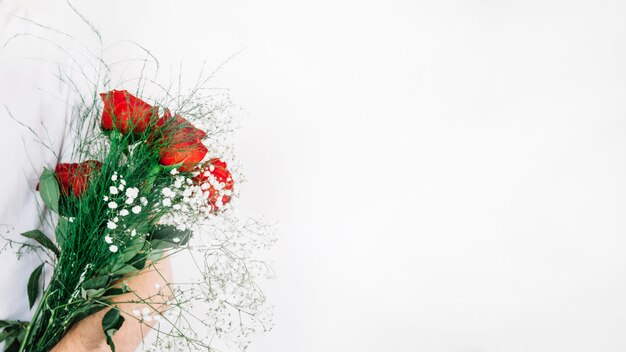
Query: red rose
x=216, y=181
x=180, y=142
x=125, y=112
x=75, y=177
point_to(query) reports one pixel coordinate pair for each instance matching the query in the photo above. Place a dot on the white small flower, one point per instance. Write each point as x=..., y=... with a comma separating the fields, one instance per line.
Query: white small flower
x=176, y=239
x=147, y=317
x=187, y=192
x=143, y=201
x=145, y=311
x=132, y=192
x=129, y=200
x=133, y=233
x=174, y=172
x=124, y=212
x=121, y=187
x=113, y=248
x=111, y=225
x=212, y=168
x=157, y=285
x=123, y=182
x=136, y=312
x=205, y=186
x=114, y=177
x=70, y=219
x=116, y=219
x=112, y=205
x=136, y=209
x=108, y=239
x=167, y=192
x=177, y=206
x=113, y=190
x=167, y=202
x=106, y=198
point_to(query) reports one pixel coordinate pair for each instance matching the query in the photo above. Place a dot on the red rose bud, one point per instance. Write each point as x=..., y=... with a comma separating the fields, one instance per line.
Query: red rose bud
x=75, y=177
x=125, y=112
x=216, y=182
x=180, y=142
x=178, y=129
x=187, y=154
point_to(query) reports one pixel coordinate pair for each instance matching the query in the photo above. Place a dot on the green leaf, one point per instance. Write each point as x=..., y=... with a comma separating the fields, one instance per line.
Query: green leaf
x=111, y=323
x=8, y=323
x=61, y=231
x=139, y=261
x=130, y=251
x=42, y=239
x=169, y=236
x=91, y=293
x=49, y=190
x=97, y=282
x=116, y=291
x=21, y=335
x=11, y=344
x=33, y=285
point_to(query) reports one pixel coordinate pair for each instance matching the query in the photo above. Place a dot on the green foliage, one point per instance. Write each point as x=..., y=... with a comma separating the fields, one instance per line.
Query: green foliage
x=61, y=231
x=49, y=190
x=13, y=333
x=164, y=237
x=111, y=323
x=43, y=240
x=33, y=285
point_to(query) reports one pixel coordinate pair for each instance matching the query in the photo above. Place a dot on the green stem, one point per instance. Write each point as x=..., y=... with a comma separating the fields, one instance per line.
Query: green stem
x=33, y=321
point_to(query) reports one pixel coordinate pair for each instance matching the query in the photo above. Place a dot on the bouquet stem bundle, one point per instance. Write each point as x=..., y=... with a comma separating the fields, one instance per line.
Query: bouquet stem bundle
x=111, y=220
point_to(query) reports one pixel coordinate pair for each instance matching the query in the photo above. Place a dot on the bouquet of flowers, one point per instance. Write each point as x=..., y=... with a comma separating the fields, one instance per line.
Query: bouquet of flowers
x=146, y=186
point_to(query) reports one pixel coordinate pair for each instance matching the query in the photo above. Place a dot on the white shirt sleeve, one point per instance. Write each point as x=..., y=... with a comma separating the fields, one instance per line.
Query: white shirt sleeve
x=33, y=129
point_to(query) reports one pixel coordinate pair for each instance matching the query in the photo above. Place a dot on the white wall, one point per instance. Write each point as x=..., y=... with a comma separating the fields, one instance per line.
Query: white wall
x=447, y=175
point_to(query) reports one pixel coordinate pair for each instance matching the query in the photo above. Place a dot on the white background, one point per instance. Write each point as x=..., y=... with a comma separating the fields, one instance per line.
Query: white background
x=446, y=175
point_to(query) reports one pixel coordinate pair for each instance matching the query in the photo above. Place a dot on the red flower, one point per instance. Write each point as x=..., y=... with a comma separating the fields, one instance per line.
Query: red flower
x=180, y=142
x=216, y=181
x=125, y=112
x=75, y=177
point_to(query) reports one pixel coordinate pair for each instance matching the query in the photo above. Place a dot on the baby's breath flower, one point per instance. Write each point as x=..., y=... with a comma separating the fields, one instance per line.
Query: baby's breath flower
x=167, y=192
x=106, y=198
x=113, y=190
x=136, y=209
x=143, y=201
x=123, y=182
x=174, y=172
x=112, y=205
x=113, y=248
x=167, y=202
x=132, y=192
x=124, y=212
x=108, y=239
x=130, y=200
x=111, y=225
x=114, y=177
